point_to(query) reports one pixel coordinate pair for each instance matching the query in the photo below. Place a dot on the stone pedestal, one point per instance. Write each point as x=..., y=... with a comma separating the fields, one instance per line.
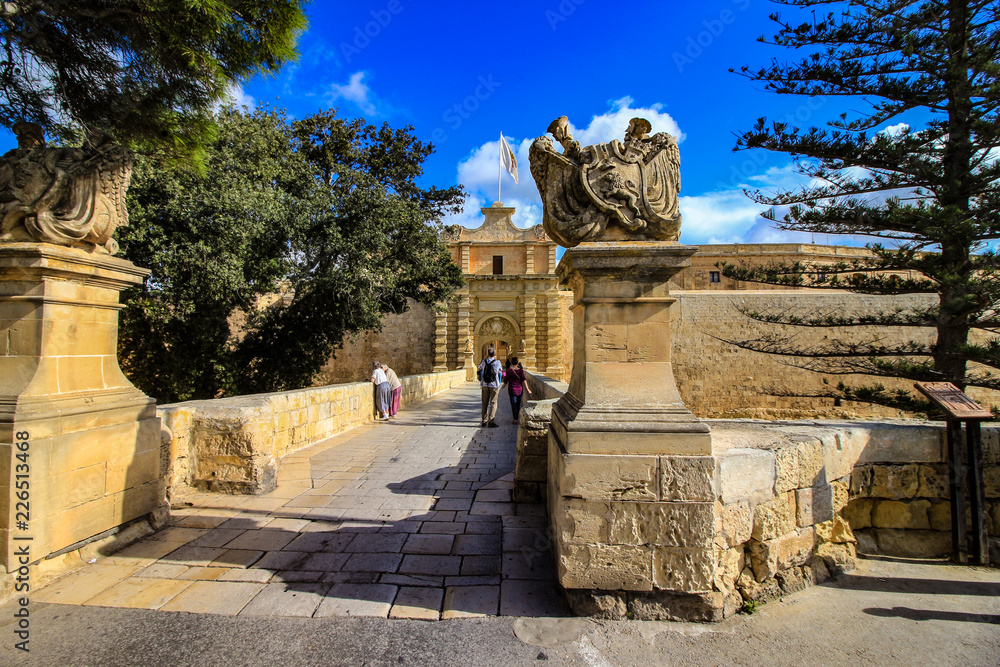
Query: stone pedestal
x=631, y=473
x=91, y=461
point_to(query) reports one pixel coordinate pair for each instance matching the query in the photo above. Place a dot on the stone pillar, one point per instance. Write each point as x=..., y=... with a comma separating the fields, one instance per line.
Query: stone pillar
x=465, y=259
x=552, y=259
x=631, y=472
x=554, y=367
x=440, y=339
x=465, y=338
x=72, y=426
x=528, y=359
x=529, y=260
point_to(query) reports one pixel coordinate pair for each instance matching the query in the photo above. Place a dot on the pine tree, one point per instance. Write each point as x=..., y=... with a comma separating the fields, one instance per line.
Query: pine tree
x=147, y=72
x=928, y=193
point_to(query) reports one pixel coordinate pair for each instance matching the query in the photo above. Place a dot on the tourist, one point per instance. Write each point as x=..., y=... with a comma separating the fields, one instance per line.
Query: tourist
x=382, y=391
x=395, y=387
x=490, y=379
x=516, y=386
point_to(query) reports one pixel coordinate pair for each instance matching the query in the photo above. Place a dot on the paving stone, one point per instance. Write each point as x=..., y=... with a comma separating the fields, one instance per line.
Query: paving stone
x=306, y=576
x=287, y=599
x=138, y=593
x=470, y=601
x=282, y=560
x=477, y=545
x=291, y=525
x=412, y=580
x=203, y=573
x=473, y=580
x=373, y=562
x=429, y=544
x=262, y=540
x=531, y=598
x=246, y=522
x=459, y=504
x=377, y=543
x=226, y=598
x=436, y=565
x=357, y=600
x=325, y=562
x=163, y=571
x=321, y=541
x=192, y=556
x=217, y=537
x=237, y=558
x=240, y=574
x=78, y=587
x=177, y=534
x=442, y=528
x=347, y=577
x=481, y=565
x=493, y=495
x=417, y=603
x=535, y=565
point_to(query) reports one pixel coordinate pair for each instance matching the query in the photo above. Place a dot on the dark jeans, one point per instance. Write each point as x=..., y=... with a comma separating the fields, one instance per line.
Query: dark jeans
x=515, y=404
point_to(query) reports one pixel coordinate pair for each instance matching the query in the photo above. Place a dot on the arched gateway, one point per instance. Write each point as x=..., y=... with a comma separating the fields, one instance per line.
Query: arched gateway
x=511, y=299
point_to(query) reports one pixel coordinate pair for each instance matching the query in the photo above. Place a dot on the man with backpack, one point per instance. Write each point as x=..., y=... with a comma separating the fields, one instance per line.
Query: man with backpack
x=490, y=379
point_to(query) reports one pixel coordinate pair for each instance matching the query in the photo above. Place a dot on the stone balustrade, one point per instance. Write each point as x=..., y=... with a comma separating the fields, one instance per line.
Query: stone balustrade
x=234, y=444
x=794, y=501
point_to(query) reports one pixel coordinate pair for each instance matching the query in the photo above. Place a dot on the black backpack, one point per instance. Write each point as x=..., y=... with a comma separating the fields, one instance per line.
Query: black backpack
x=489, y=371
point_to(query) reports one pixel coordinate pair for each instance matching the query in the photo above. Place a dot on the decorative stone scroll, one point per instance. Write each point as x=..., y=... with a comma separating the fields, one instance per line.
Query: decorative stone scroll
x=66, y=196
x=619, y=191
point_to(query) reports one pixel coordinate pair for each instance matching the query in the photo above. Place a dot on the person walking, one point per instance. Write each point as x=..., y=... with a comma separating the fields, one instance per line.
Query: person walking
x=516, y=386
x=382, y=391
x=490, y=379
x=395, y=389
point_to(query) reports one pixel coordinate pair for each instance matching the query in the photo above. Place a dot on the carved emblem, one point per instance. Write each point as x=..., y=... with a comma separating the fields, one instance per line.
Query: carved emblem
x=498, y=327
x=622, y=190
x=451, y=233
x=66, y=196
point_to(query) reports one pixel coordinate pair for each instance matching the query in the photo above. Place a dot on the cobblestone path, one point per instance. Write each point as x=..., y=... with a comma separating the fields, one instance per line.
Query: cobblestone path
x=410, y=518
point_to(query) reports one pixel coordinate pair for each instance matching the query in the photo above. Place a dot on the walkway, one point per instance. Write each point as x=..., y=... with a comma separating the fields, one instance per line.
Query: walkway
x=407, y=519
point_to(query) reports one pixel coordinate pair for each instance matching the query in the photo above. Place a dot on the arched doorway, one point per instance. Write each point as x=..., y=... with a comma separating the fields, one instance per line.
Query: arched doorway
x=499, y=332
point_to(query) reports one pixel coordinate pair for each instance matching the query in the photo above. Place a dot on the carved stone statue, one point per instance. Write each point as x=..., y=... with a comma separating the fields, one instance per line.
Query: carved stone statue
x=67, y=196
x=619, y=191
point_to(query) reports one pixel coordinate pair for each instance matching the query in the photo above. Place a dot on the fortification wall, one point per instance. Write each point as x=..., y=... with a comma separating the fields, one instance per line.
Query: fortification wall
x=405, y=344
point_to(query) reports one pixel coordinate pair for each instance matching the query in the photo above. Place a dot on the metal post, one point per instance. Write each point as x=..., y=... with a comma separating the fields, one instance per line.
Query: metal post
x=959, y=536
x=977, y=494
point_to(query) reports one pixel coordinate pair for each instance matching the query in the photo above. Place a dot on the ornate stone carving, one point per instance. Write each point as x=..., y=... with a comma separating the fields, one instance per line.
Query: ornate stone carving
x=451, y=233
x=619, y=191
x=499, y=328
x=66, y=196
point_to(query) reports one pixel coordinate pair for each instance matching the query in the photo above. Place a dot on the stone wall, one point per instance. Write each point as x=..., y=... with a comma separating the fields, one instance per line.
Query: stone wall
x=791, y=503
x=405, y=344
x=233, y=444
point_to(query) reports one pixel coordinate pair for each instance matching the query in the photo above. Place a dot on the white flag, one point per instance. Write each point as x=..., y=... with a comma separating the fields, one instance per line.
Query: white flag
x=507, y=158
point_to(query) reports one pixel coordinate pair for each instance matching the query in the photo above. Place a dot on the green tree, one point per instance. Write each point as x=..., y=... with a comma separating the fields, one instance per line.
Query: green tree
x=300, y=233
x=931, y=191
x=148, y=72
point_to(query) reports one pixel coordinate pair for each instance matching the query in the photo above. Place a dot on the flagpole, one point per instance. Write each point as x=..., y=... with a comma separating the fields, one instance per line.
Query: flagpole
x=499, y=164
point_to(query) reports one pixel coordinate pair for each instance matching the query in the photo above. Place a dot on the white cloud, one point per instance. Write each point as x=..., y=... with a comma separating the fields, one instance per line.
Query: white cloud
x=896, y=130
x=478, y=172
x=238, y=97
x=354, y=91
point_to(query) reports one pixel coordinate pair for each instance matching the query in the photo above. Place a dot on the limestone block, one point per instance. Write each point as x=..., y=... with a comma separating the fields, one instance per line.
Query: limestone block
x=933, y=481
x=761, y=592
x=687, y=478
x=913, y=543
x=684, y=570
x=605, y=567
x=861, y=482
x=991, y=481
x=836, y=530
x=599, y=477
x=746, y=474
x=737, y=523
x=939, y=515
x=597, y=604
x=580, y=521
x=858, y=513
x=894, y=481
x=799, y=466
x=896, y=442
x=840, y=494
x=663, y=524
x=774, y=518
x=867, y=544
x=662, y=606
x=769, y=557
x=897, y=514
x=813, y=505
x=841, y=451
x=730, y=564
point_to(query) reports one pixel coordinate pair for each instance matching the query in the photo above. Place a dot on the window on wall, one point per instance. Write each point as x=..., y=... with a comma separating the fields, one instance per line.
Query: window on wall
x=498, y=265
x=714, y=277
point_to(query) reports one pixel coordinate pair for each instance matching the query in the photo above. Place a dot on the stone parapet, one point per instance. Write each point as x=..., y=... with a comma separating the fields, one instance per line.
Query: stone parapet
x=233, y=445
x=79, y=445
